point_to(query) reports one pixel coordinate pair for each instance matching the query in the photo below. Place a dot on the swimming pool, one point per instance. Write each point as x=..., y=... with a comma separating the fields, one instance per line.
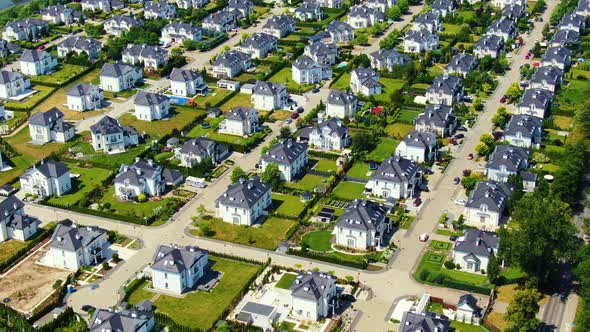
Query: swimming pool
x=178, y=100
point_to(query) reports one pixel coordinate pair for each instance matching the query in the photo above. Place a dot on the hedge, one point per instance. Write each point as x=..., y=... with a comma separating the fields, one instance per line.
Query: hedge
x=64, y=319
x=132, y=287
x=11, y=261
x=324, y=155
x=56, y=85
x=75, y=208
x=466, y=287
x=329, y=259
x=53, y=301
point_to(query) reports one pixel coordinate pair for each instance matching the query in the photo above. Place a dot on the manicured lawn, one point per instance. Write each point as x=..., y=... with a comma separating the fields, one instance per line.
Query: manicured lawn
x=212, y=99
x=464, y=327
x=252, y=76
x=140, y=293
x=287, y=205
x=342, y=83
x=266, y=236
x=384, y=150
x=32, y=101
x=31, y=153
x=286, y=281
x=241, y=99
x=563, y=122
x=10, y=248
x=89, y=179
x=10, y=124
x=63, y=75
x=199, y=131
x=349, y=190
x=318, y=240
x=180, y=117
x=398, y=130
x=407, y=116
x=280, y=115
x=115, y=160
x=285, y=76
x=451, y=29
x=360, y=170
x=440, y=245
x=141, y=210
x=307, y=183
x=390, y=85
x=326, y=165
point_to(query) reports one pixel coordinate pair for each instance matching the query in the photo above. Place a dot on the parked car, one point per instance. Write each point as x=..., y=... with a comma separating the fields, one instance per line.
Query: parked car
x=459, y=136
x=524, y=84
x=456, y=180
x=417, y=201
x=503, y=99
x=289, y=120
x=470, y=156
x=453, y=142
x=460, y=202
x=468, y=98
x=41, y=48
x=461, y=128
x=87, y=307
x=300, y=109
x=315, y=90
x=423, y=237
x=294, y=116
x=453, y=238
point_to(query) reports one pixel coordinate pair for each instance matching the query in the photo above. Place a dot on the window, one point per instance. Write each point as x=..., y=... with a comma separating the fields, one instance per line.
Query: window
x=165, y=275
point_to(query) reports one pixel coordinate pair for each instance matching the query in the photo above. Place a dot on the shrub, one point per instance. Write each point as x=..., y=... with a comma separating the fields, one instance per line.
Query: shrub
x=141, y=198
x=424, y=275
x=450, y=265
x=116, y=258
x=56, y=284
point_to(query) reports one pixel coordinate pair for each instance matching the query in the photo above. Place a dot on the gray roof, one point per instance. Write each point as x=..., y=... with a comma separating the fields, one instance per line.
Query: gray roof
x=320, y=48
x=502, y=25
x=81, y=89
x=509, y=156
x=528, y=176
x=551, y=75
x=268, y=88
x=447, y=84
x=33, y=55
x=524, y=124
x=513, y=11
x=139, y=170
x=10, y=205
x=149, y=98
x=439, y=116
x=469, y=300
x=583, y=6
x=285, y=152
x=171, y=176
x=108, y=125
x=244, y=193
x=57, y=10
x=10, y=47
x=230, y=58
x=178, y=26
x=363, y=215
x=477, y=242
x=305, y=62
x=312, y=285
x=461, y=63
x=259, y=40
x=418, y=36
x=69, y=236
x=337, y=26
x=491, y=193
x=117, y=69
x=49, y=169
x=441, y=4
x=128, y=320
x=565, y=37
x=424, y=322
x=366, y=12
x=367, y=76
x=10, y=76
x=421, y=139
x=340, y=97
x=540, y=98
x=128, y=20
x=557, y=54
x=145, y=51
x=308, y=7
x=21, y=222
x=220, y=17
x=573, y=20
x=491, y=42
x=82, y=43
x=331, y=127
x=46, y=118
x=184, y=75
x=198, y=146
x=390, y=56
x=396, y=169
x=157, y=6
x=258, y=309
x=427, y=18
x=279, y=22
x=176, y=259
x=240, y=113
x=25, y=24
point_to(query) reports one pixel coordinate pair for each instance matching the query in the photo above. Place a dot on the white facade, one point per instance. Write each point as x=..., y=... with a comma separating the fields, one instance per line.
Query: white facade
x=90, y=97
x=240, y=122
x=290, y=163
x=168, y=277
x=155, y=111
x=235, y=212
x=46, y=180
x=41, y=64
x=87, y=253
x=126, y=78
x=13, y=84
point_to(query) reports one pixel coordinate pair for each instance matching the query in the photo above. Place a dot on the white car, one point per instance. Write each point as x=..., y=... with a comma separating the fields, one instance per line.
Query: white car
x=460, y=202
x=423, y=237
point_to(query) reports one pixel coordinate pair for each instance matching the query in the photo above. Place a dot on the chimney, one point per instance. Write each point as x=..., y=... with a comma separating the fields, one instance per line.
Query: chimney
x=250, y=185
x=138, y=171
x=137, y=159
x=151, y=162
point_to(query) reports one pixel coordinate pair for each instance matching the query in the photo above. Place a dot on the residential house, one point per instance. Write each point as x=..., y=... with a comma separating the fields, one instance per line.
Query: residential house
x=419, y=146
x=72, y=246
x=529, y=181
x=443, y=7
x=445, y=90
x=119, y=24
x=502, y=27
x=138, y=319
x=110, y=136
x=30, y=29
x=558, y=56
x=461, y=64
x=7, y=48
x=231, y=63
x=487, y=203
x=13, y=84
x=117, y=77
x=258, y=315
x=279, y=26
x=152, y=57
x=340, y=32
x=566, y=38
x=583, y=8
x=308, y=11
x=430, y=21
x=242, y=9
x=365, y=81
x=307, y=71
x=14, y=223
x=151, y=106
x=362, y=16
x=535, y=102
x=329, y=3
x=187, y=83
x=5, y=115
x=473, y=249
x=397, y=177
x=291, y=157
x=467, y=310
x=514, y=11
x=179, y=32
x=524, y=131
x=60, y=14
x=177, y=270
x=190, y=4
x=387, y=60
x=35, y=62
x=418, y=41
x=244, y=202
x=84, y=97
x=546, y=78
x=380, y=5
x=96, y=5
x=573, y=21
x=79, y=45
x=328, y=134
x=322, y=53
x=506, y=160
x=141, y=178
x=49, y=178
x=426, y=322
x=439, y=118
x=221, y=21
x=240, y=121
x=4, y=166
x=363, y=225
x=491, y=45
x=313, y=295
x=269, y=96
x=504, y=3
x=50, y=126
x=197, y=150
x=341, y=104
x=258, y=45
x=158, y=9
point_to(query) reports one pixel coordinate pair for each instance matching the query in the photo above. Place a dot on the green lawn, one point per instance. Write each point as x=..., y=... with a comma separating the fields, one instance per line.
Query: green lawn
x=451, y=29
x=342, y=83
x=384, y=150
x=10, y=248
x=307, y=183
x=286, y=281
x=398, y=130
x=89, y=179
x=199, y=131
x=360, y=170
x=390, y=85
x=64, y=73
x=213, y=98
x=318, y=240
x=32, y=101
x=179, y=118
x=285, y=76
x=145, y=209
x=407, y=116
x=241, y=99
x=115, y=160
x=326, y=165
x=287, y=205
x=349, y=190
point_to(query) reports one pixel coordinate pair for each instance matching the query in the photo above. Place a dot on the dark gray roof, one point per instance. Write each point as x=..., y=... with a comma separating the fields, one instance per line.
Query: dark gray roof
x=340, y=97
x=491, y=193
x=184, y=75
x=502, y=25
x=219, y=18
x=149, y=98
x=229, y=58
x=427, y=18
x=48, y=118
x=366, y=12
x=244, y=193
x=305, y=62
x=332, y=126
x=491, y=42
x=366, y=76
x=50, y=169
x=21, y=222
x=447, y=84
x=312, y=285
x=572, y=20
x=540, y=98
x=129, y=20
x=157, y=6
x=27, y=23
x=279, y=22
x=308, y=6
x=198, y=146
x=80, y=89
x=421, y=139
x=363, y=215
x=145, y=51
x=69, y=236
x=175, y=259
x=131, y=320
x=240, y=113
x=285, y=152
x=33, y=55
x=390, y=56
x=57, y=10
x=117, y=69
x=477, y=242
x=418, y=36
x=565, y=37
x=461, y=63
x=551, y=75
x=268, y=88
x=320, y=48
x=509, y=156
x=82, y=43
x=337, y=26
x=528, y=176
x=583, y=6
x=259, y=40
x=10, y=76
x=557, y=54
x=524, y=124
x=441, y=4
x=258, y=309
x=108, y=125
x=10, y=205
x=439, y=116
x=469, y=300
x=396, y=169
x=10, y=47
x=425, y=322
x=140, y=169
x=513, y=11
x=171, y=176
x=177, y=27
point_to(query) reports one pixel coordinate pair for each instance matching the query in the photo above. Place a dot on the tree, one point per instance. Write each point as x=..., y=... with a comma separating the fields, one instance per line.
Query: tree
x=361, y=39
x=238, y=174
x=582, y=118
x=493, y=268
x=539, y=6
x=501, y=118
x=394, y=13
x=482, y=149
x=285, y=132
x=271, y=175
x=567, y=185
x=514, y=92
x=362, y=60
x=522, y=311
x=362, y=142
x=205, y=229
x=403, y=6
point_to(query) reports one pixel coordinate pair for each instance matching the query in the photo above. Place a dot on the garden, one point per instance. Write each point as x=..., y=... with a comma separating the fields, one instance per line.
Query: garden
x=385, y=149
x=179, y=118
x=307, y=182
x=31, y=102
x=288, y=206
x=324, y=165
x=84, y=147
x=63, y=75
x=285, y=76
x=163, y=207
x=348, y=190
x=88, y=180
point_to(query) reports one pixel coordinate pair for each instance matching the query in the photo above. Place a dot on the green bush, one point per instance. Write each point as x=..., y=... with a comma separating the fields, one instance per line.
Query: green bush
x=449, y=265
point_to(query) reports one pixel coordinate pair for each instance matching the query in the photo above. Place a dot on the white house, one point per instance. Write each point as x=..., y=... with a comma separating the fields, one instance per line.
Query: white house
x=97, y=5
x=341, y=104
x=396, y=177
x=385, y=59
x=83, y=97
x=443, y=7
x=110, y=136
x=307, y=71
x=467, y=310
x=414, y=321
x=506, y=160
x=138, y=319
x=242, y=9
x=49, y=178
x=60, y=14
x=313, y=295
x=150, y=56
x=13, y=84
x=430, y=21
x=461, y=64
x=35, y=62
x=473, y=249
x=197, y=150
x=73, y=246
x=440, y=118
x=445, y=90
x=117, y=77
x=221, y=21
x=145, y=178
x=45, y=127
x=419, y=146
x=187, y=82
x=363, y=225
x=269, y=96
x=560, y=57
x=30, y=29
x=188, y=4
x=291, y=158
x=322, y=53
x=381, y=5
x=179, y=32
x=418, y=41
x=279, y=26
x=79, y=45
x=491, y=45
x=158, y=9
x=14, y=223
x=546, y=78
x=361, y=16
x=486, y=204
x=120, y=24
x=231, y=63
x=308, y=11
x=177, y=270
x=503, y=27
x=524, y=131
x=244, y=202
x=535, y=102
x=240, y=121
x=340, y=32
x=151, y=106
x=328, y=134
x=258, y=45
x=365, y=81
x=502, y=3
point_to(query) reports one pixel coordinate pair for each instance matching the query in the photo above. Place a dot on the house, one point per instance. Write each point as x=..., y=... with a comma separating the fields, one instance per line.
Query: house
x=546, y=78
x=558, y=56
x=178, y=269
x=221, y=21
x=535, y=102
x=487, y=203
x=340, y=32
x=361, y=16
x=566, y=38
x=385, y=59
x=473, y=249
x=158, y=9
x=14, y=223
x=231, y=63
x=279, y=26
x=152, y=57
x=491, y=45
x=79, y=45
x=529, y=181
x=60, y=14
x=138, y=319
x=49, y=178
x=418, y=41
x=365, y=81
x=443, y=7
x=5, y=115
x=257, y=314
x=430, y=21
x=269, y=96
x=396, y=177
x=461, y=64
x=187, y=83
x=35, y=62
x=308, y=11
x=445, y=90
x=503, y=27
x=190, y=4
x=117, y=77
x=573, y=22
x=313, y=295
x=4, y=166
x=328, y=134
x=322, y=53
x=83, y=97
x=258, y=45
x=197, y=150
x=583, y=8
x=504, y=3
x=97, y=5
x=240, y=121
x=341, y=104
x=514, y=11
x=50, y=126
x=119, y=24
x=506, y=160
x=524, y=131
x=363, y=225
x=244, y=202
x=7, y=48
x=329, y=3
x=425, y=322
x=419, y=146
x=110, y=136
x=242, y=9
x=13, y=84
x=467, y=310
x=72, y=246
x=151, y=106
x=380, y=5
x=179, y=32
x=30, y=29
x=140, y=178
x=291, y=157
x=307, y=71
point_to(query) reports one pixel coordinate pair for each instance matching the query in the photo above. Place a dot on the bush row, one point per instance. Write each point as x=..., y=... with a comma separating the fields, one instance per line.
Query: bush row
x=108, y=215
x=330, y=259
x=62, y=84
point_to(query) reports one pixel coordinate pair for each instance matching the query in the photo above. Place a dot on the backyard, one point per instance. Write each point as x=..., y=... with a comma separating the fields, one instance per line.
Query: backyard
x=179, y=118
x=287, y=205
x=307, y=183
x=349, y=191
x=241, y=99
x=325, y=165
x=360, y=170
x=384, y=149
x=285, y=76
x=32, y=101
x=132, y=208
x=114, y=160
x=63, y=74
x=286, y=281
x=89, y=179
x=215, y=96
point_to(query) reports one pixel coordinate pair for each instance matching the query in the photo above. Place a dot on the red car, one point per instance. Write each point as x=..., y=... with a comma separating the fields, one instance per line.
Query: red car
x=503, y=99
x=417, y=201
x=41, y=48
x=470, y=156
x=294, y=115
